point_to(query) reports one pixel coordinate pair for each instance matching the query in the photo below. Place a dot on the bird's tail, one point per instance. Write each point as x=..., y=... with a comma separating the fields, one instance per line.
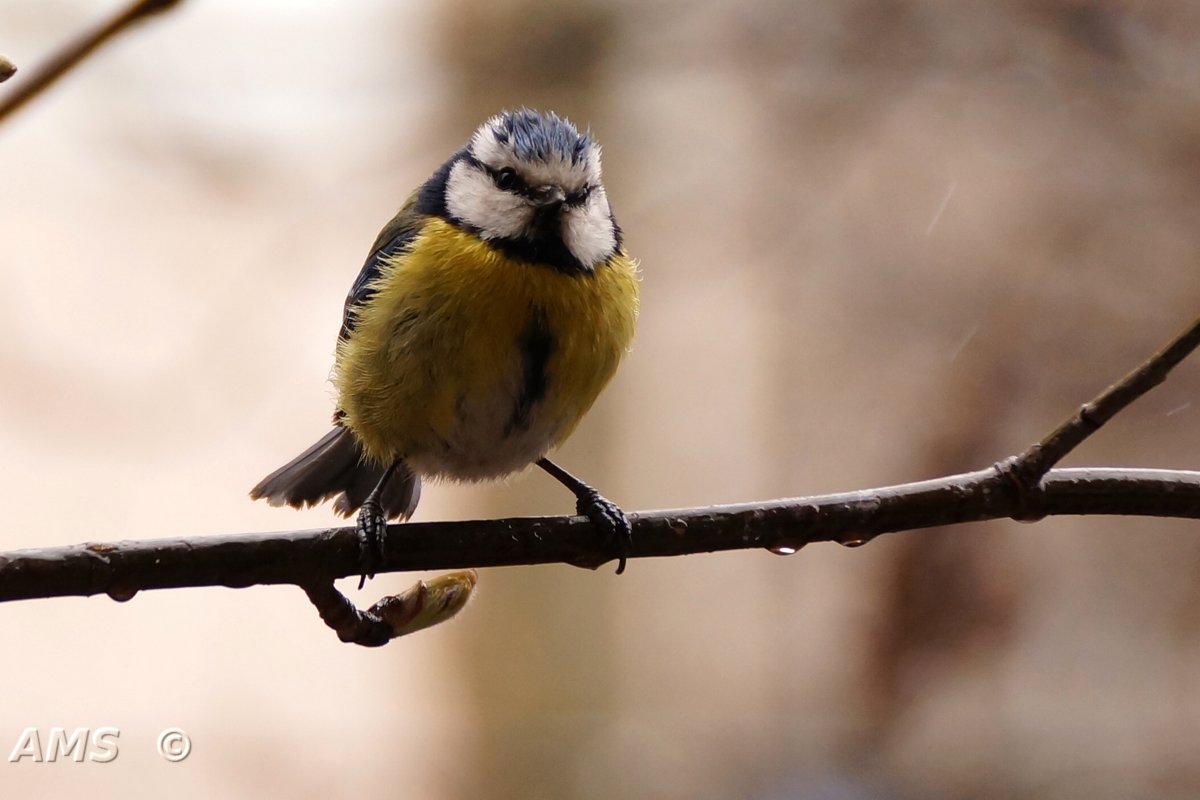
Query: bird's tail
x=335, y=466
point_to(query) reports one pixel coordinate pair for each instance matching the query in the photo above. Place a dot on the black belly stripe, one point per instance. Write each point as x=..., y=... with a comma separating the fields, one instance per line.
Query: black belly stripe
x=537, y=345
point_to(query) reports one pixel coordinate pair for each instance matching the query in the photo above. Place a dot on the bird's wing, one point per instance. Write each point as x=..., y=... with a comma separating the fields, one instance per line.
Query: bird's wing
x=394, y=237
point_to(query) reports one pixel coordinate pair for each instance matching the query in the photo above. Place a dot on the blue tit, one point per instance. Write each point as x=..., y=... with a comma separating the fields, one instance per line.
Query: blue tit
x=490, y=313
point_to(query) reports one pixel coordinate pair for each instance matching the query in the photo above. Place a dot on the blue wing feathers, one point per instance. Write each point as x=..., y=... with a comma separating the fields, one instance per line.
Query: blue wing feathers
x=364, y=285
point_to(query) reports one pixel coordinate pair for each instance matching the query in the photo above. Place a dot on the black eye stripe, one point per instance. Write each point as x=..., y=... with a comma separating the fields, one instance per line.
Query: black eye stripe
x=579, y=197
x=509, y=180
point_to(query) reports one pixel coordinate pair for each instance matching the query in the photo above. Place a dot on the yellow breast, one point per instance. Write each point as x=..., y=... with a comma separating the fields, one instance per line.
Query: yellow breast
x=437, y=368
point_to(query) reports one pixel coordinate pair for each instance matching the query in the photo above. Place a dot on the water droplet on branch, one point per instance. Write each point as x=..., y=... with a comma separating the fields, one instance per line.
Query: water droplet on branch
x=855, y=539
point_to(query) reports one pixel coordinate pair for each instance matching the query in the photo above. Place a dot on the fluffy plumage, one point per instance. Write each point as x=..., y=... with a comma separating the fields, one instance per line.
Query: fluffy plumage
x=488, y=316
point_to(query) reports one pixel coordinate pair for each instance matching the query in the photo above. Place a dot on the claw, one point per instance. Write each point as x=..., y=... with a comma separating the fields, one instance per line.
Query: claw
x=371, y=525
x=610, y=521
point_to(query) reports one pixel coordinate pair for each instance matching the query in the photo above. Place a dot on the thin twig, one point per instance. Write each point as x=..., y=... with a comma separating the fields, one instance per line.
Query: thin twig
x=75, y=51
x=425, y=604
x=1026, y=470
x=350, y=624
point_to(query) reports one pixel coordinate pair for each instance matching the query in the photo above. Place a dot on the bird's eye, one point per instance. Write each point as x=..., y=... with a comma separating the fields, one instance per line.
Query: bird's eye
x=579, y=197
x=507, y=178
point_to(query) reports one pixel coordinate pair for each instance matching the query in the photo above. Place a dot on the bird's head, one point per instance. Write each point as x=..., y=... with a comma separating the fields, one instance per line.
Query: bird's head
x=529, y=183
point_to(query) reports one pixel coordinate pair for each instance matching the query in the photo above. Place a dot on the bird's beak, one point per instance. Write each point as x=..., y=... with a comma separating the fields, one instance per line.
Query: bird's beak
x=548, y=197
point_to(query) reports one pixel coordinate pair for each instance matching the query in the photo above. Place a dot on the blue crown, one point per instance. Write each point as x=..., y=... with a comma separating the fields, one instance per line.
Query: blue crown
x=538, y=137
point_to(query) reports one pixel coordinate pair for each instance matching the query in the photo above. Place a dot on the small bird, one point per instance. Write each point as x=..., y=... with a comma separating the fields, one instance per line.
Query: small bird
x=490, y=313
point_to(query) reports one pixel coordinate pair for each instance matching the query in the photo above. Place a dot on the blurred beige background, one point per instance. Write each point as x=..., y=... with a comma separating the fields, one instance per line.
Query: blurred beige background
x=881, y=241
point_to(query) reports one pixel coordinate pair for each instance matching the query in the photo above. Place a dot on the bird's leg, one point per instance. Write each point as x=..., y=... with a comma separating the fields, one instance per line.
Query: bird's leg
x=372, y=525
x=604, y=514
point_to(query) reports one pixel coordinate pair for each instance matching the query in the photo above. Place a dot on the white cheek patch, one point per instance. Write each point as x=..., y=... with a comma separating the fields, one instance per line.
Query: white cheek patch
x=588, y=230
x=472, y=197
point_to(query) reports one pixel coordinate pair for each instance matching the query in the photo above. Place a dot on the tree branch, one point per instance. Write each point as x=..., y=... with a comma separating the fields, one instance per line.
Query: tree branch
x=75, y=51
x=306, y=558
x=1023, y=487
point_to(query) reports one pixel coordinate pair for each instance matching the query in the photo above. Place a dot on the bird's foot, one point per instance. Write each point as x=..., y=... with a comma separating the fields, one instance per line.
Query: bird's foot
x=610, y=521
x=372, y=527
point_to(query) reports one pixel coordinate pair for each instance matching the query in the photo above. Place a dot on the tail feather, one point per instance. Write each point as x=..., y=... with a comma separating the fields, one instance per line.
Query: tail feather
x=335, y=466
x=398, y=499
